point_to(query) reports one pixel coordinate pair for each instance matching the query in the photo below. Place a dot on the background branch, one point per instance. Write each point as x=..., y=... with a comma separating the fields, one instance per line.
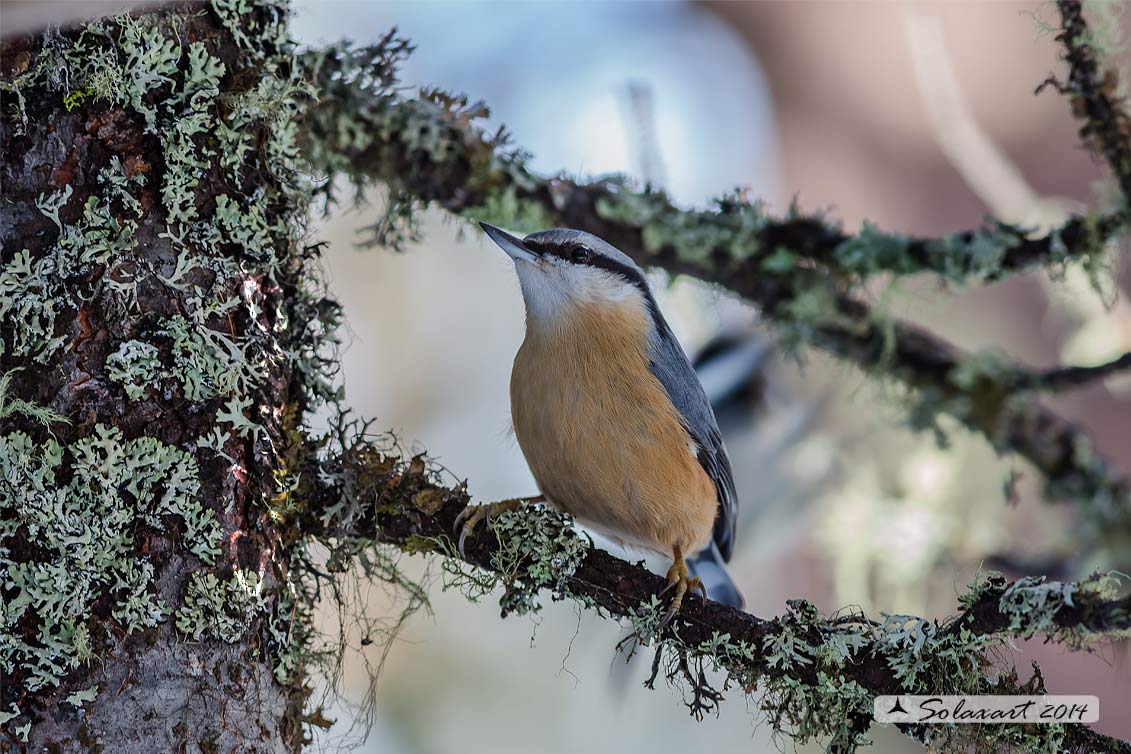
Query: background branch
x=798, y=270
x=1062, y=378
x=1092, y=89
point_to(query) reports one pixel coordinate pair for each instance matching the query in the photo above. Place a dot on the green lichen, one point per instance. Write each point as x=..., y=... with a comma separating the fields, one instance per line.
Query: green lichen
x=12, y=405
x=220, y=609
x=207, y=363
x=932, y=660
x=82, y=511
x=135, y=365
x=370, y=116
x=247, y=229
x=123, y=68
x=36, y=292
x=507, y=210
x=82, y=696
x=1032, y=603
x=829, y=706
x=228, y=252
x=981, y=368
x=780, y=261
x=872, y=250
x=120, y=187
x=538, y=549
x=695, y=237
x=234, y=414
x=974, y=256
x=833, y=707
x=189, y=357
x=804, y=665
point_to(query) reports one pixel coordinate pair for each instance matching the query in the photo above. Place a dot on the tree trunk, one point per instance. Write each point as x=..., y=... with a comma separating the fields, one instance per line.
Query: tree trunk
x=153, y=330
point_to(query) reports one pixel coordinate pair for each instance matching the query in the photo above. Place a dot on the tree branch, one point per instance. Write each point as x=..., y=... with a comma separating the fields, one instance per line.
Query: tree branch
x=358, y=129
x=1063, y=378
x=798, y=270
x=1106, y=127
x=839, y=662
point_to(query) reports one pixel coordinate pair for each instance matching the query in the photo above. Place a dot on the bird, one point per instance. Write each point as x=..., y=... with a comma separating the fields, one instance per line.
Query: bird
x=610, y=415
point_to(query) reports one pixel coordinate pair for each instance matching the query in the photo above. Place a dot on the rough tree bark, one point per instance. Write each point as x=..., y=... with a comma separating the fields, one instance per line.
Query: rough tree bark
x=151, y=329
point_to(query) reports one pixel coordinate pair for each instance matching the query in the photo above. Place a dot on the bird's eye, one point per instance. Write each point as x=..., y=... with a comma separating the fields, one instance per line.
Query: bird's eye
x=580, y=255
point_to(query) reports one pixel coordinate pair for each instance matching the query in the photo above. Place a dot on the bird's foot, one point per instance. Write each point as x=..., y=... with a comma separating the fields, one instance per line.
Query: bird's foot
x=680, y=580
x=473, y=514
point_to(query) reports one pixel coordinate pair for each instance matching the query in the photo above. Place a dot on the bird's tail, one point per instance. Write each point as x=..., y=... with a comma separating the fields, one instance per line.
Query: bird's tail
x=708, y=565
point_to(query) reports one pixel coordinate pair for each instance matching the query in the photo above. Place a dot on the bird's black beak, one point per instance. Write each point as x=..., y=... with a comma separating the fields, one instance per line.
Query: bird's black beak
x=514, y=247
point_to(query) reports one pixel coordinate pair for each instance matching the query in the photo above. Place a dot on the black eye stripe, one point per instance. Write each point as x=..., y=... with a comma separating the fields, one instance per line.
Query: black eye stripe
x=626, y=272
x=568, y=252
x=629, y=274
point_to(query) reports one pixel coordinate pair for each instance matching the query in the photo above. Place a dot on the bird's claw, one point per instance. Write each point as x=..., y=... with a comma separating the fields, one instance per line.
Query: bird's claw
x=462, y=515
x=470, y=517
x=682, y=582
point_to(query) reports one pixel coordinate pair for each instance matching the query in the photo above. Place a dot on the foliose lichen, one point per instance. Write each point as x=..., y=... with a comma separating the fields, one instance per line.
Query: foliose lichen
x=220, y=609
x=74, y=516
x=82, y=512
x=538, y=549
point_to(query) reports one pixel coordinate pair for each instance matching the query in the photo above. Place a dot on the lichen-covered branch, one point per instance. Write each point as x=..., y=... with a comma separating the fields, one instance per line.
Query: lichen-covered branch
x=431, y=148
x=1093, y=90
x=800, y=270
x=164, y=337
x=830, y=668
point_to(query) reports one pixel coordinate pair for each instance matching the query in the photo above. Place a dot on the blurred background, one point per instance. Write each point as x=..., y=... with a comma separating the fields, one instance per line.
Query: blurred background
x=919, y=117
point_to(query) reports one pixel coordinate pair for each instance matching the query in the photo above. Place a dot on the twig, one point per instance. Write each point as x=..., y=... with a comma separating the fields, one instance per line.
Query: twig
x=1106, y=124
x=1064, y=378
x=356, y=129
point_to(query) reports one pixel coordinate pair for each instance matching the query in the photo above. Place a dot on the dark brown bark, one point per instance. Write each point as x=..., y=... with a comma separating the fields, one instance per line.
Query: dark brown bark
x=157, y=690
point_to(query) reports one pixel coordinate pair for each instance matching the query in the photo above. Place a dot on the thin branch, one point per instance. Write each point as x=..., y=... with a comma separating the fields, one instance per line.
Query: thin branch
x=798, y=270
x=1106, y=124
x=1064, y=378
x=390, y=502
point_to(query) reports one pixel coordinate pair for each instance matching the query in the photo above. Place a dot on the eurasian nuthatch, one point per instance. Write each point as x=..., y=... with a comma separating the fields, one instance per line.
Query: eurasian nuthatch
x=610, y=415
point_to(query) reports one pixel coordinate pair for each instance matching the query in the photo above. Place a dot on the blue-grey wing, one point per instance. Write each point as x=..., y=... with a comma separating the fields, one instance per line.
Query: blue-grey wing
x=675, y=373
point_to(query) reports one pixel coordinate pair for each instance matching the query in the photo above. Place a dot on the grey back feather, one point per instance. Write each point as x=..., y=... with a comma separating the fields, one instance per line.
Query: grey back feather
x=675, y=373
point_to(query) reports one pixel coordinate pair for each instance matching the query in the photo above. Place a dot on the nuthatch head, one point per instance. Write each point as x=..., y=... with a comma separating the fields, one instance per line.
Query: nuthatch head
x=609, y=414
x=560, y=270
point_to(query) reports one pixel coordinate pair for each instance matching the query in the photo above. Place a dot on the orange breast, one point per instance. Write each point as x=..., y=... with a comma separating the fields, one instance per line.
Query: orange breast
x=601, y=436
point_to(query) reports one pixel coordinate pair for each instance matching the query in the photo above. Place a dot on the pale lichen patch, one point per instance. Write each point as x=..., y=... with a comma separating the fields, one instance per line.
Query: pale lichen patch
x=220, y=609
x=83, y=509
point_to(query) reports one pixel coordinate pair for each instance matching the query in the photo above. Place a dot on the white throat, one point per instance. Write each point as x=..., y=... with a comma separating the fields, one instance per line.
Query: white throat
x=553, y=290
